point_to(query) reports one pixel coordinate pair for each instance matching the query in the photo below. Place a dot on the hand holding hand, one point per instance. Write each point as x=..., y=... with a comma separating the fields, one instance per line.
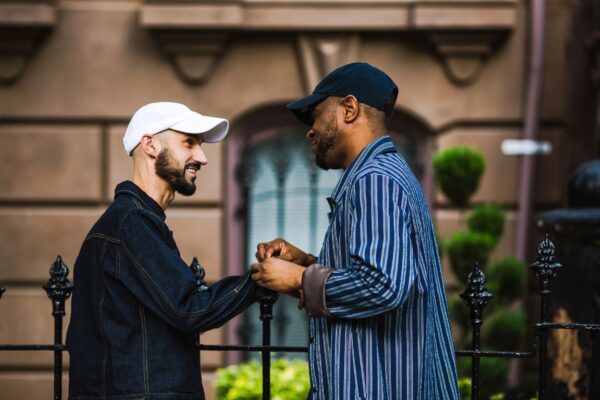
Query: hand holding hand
x=285, y=251
x=278, y=275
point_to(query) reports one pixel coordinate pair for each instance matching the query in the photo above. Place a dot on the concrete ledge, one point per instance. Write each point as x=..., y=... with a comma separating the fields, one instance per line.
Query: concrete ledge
x=23, y=14
x=295, y=15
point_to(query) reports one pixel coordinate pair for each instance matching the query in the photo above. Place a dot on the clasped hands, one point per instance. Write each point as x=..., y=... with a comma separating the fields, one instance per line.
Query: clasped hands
x=280, y=266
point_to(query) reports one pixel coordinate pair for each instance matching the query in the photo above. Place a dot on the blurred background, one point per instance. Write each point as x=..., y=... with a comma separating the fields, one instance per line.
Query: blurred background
x=470, y=73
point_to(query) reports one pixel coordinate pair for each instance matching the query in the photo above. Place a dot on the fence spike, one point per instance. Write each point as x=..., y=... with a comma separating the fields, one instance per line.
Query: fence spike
x=200, y=273
x=58, y=286
x=476, y=294
x=2, y=290
x=546, y=265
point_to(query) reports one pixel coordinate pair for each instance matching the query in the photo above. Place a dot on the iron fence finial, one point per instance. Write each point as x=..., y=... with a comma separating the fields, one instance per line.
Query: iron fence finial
x=476, y=294
x=200, y=273
x=58, y=286
x=546, y=265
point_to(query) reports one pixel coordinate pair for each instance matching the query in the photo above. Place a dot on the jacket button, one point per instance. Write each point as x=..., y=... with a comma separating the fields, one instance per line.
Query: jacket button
x=315, y=389
x=311, y=339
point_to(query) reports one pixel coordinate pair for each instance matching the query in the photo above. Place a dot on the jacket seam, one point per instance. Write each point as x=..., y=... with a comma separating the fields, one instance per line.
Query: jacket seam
x=97, y=235
x=236, y=290
x=136, y=198
x=144, y=348
x=102, y=334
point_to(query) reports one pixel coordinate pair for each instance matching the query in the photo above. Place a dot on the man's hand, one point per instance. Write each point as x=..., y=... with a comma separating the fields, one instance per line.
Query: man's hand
x=285, y=251
x=278, y=275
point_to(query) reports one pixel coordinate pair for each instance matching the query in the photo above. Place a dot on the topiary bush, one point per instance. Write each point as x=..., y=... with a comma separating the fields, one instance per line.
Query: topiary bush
x=464, y=249
x=289, y=380
x=457, y=172
x=508, y=276
x=492, y=374
x=504, y=329
x=487, y=218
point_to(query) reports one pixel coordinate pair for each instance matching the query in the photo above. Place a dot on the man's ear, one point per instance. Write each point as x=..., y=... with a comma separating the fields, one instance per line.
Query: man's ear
x=150, y=145
x=351, y=106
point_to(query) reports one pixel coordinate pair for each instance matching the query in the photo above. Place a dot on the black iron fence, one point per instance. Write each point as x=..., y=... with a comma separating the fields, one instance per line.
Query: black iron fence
x=475, y=296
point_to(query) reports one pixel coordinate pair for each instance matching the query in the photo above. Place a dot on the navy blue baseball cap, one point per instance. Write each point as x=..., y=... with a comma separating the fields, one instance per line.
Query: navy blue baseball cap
x=370, y=85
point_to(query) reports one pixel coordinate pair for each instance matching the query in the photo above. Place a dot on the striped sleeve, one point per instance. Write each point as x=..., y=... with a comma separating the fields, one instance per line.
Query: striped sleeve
x=383, y=269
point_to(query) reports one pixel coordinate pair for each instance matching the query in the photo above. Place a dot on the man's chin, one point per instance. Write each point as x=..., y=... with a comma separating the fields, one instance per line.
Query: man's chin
x=185, y=190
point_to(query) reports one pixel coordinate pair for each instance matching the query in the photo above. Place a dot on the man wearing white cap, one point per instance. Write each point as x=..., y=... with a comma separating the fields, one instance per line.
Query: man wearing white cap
x=137, y=308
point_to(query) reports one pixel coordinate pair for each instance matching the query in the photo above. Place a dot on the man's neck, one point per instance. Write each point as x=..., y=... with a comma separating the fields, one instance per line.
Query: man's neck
x=156, y=188
x=357, y=143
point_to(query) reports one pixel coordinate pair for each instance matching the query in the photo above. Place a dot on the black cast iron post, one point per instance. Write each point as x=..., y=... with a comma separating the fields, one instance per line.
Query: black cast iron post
x=59, y=290
x=266, y=315
x=2, y=290
x=201, y=285
x=545, y=268
x=476, y=296
x=200, y=273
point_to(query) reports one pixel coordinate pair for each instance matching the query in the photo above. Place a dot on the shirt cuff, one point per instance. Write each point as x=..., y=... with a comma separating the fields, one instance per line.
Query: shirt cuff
x=314, y=279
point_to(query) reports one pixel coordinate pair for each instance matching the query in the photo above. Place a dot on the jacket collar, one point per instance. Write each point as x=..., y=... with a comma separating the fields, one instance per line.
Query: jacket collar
x=376, y=147
x=131, y=189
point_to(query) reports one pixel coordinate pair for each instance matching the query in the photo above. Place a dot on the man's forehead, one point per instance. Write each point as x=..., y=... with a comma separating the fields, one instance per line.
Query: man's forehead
x=180, y=135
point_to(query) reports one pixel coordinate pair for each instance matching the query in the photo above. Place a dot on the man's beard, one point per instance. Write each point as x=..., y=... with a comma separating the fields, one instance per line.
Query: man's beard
x=325, y=143
x=166, y=168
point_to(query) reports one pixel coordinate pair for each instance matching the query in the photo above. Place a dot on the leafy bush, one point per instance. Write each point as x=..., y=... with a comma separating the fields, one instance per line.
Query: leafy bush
x=289, y=381
x=505, y=329
x=464, y=388
x=492, y=374
x=457, y=171
x=487, y=218
x=458, y=310
x=508, y=275
x=464, y=249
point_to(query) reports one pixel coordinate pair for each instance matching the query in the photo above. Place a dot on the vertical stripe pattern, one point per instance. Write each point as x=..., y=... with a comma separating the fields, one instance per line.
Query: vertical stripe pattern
x=389, y=335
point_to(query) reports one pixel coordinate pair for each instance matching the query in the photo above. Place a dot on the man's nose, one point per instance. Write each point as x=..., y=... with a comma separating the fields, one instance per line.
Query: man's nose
x=199, y=155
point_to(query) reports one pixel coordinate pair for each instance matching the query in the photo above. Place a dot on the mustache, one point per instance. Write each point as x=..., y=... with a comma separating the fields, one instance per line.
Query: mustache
x=193, y=165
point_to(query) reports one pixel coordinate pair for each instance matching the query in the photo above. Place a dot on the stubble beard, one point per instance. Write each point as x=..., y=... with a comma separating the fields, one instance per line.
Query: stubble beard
x=167, y=169
x=325, y=143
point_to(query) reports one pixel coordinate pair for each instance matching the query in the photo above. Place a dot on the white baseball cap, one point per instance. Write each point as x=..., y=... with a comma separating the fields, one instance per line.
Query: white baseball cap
x=154, y=118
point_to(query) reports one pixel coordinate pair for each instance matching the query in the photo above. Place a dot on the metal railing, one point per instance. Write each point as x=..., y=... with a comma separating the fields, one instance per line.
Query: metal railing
x=475, y=296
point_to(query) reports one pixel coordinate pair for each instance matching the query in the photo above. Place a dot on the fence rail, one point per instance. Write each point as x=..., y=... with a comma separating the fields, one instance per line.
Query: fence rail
x=475, y=296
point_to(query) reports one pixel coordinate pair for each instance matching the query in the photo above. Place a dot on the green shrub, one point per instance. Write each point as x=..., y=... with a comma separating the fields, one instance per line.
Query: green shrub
x=464, y=249
x=457, y=171
x=464, y=388
x=487, y=218
x=458, y=310
x=504, y=329
x=492, y=374
x=289, y=381
x=508, y=276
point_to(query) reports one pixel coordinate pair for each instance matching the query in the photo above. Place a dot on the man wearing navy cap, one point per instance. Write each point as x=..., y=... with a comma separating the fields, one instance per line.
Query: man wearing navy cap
x=379, y=324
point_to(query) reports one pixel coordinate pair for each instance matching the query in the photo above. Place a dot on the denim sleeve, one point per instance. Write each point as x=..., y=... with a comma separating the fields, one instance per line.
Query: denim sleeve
x=161, y=280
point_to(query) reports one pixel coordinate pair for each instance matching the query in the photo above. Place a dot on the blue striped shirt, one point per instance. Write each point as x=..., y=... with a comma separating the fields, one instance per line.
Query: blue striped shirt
x=388, y=336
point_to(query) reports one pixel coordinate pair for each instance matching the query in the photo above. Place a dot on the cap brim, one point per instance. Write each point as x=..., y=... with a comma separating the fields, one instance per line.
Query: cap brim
x=302, y=108
x=212, y=129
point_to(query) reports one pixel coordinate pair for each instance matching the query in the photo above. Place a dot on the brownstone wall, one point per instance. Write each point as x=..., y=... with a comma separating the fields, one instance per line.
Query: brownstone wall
x=61, y=125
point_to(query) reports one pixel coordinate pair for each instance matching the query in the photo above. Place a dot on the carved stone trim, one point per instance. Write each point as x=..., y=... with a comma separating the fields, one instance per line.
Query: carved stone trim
x=23, y=26
x=464, y=55
x=193, y=54
x=463, y=32
x=320, y=54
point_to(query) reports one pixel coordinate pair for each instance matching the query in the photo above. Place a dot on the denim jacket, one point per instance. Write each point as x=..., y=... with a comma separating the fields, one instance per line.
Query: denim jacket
x=137, y=311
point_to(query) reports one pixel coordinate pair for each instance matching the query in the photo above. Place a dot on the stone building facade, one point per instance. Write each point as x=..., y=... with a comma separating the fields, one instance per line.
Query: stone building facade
x=72, y=72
